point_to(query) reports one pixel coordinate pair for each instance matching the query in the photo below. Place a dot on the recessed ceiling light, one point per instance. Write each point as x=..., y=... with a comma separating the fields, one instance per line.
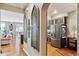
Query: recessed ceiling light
x=55, y=11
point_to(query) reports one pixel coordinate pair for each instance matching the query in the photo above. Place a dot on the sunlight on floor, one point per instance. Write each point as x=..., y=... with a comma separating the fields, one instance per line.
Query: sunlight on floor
x=13, y=49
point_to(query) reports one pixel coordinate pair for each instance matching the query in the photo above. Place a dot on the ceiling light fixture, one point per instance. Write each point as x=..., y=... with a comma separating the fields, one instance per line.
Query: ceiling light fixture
x=55, y=11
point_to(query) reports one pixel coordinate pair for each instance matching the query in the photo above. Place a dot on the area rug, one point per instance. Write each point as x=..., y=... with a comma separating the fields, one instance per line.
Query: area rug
x=67, y=52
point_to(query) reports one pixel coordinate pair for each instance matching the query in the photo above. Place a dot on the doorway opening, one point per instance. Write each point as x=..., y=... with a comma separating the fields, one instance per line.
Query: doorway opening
x=11, y=29
x=61, y=32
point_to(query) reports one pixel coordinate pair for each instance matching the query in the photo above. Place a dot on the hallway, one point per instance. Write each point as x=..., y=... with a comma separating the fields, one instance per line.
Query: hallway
x=33, y=24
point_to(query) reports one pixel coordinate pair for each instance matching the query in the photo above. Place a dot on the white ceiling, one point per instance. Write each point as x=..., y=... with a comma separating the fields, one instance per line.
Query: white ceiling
x=62, y=7
x=11, y=16
x=19, y=5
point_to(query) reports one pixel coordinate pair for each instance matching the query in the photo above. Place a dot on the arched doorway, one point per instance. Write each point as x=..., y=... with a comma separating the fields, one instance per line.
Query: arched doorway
x=43, y=21
x=44, y=14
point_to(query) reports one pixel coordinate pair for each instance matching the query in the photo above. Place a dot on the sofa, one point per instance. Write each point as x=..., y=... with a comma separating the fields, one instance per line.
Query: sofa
x=4, y=39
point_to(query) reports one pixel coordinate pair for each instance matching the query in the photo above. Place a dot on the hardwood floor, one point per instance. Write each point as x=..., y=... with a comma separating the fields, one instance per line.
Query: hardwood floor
x=16, y=49
x=52, y=51
x=13, y=49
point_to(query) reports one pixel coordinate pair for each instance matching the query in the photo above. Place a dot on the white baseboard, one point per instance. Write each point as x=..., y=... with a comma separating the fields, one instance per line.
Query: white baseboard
x=26, y=52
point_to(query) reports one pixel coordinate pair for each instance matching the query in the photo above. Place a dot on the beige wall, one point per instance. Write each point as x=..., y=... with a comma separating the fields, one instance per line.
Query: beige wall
x=78, y=29
x=43, y=19
x=72, y=23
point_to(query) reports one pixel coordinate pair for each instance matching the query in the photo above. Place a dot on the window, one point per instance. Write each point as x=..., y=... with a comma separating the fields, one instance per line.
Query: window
x=3, y=28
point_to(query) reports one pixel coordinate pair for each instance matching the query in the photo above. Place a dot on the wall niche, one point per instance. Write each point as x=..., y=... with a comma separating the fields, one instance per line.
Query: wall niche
x=35, y=28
